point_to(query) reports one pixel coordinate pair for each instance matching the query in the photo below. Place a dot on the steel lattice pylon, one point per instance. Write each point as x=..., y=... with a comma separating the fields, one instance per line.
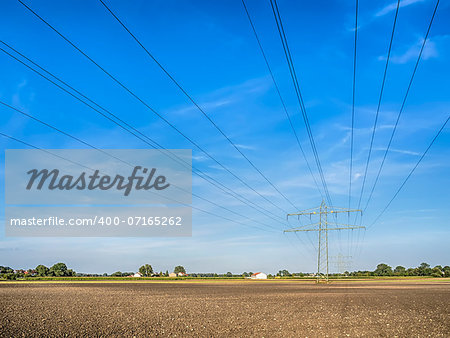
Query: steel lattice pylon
x=322, y=228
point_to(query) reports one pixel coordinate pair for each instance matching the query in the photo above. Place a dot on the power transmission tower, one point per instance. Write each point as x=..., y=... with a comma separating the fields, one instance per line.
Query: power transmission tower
x=322, y=228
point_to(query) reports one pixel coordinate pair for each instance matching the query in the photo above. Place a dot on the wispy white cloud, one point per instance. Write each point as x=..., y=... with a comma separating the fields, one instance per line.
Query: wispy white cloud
x=364, y=130
x=22, y=84
x=391, y=7
x=207, y=106
x=244, y=146
x=429, y=51
x=199, y=158
x=400, y=151
x=225, y=96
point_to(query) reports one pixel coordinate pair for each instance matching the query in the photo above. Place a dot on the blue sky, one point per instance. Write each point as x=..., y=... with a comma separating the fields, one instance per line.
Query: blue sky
x=208, y=46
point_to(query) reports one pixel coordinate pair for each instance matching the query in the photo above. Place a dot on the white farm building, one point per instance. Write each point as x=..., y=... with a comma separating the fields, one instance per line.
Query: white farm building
x=258, y=275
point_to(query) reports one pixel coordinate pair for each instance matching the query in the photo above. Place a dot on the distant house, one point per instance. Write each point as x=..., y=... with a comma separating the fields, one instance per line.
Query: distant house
x=258, y=275
x=137, y=274
x=172, y=274
x=182, y=274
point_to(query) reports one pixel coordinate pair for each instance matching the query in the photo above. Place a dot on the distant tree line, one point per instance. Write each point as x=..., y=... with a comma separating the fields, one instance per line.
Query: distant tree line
x=146, y=270
x=424, y=269
x=121, y=274
x=56, y=270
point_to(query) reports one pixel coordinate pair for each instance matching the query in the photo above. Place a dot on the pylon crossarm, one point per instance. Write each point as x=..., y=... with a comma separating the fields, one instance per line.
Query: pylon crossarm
x=305, y=213
x=324, y=212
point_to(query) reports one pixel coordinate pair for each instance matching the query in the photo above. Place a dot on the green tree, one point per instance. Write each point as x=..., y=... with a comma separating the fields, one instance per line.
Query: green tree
x=446, y=271
x=117, y=274
x=400, y=271
x=58, y=269
x=412, y=272
x=245, y=274
x=437, y=271
x=166, y=274
x=285, y=273
x=424, y=269
x=146, y=270
x=229, y=274
x=5, y=269
x=179, y=269
x=42, y=270
x=383, y=270
x=9, y=275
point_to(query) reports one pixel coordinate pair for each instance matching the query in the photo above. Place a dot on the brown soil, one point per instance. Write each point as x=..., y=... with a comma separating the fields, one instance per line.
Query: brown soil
x=262, y=309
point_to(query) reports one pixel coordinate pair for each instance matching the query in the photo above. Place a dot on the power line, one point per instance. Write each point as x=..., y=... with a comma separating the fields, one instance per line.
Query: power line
x=198, y=172
x=194, y=102
x=299, y=238
x=134, y=131
x=46, y=151
x=284, y=106
x=59, y=130
x=108, y=154
x=68, y=92
x=379, y=103
x=412, y=171
x=293, y=74
x=353, y=106
x=280, y=96
x=102, y=151
x=403, y=104
x=150, y=108
x=350, y=174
